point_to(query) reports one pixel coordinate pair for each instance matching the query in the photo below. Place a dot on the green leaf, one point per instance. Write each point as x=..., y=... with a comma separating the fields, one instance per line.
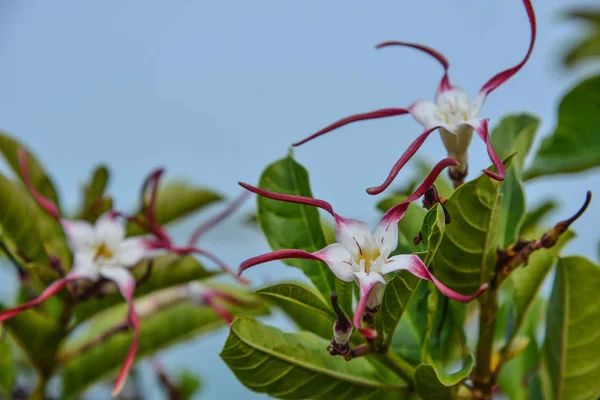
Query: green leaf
x=413, y=327
x=570, y=367
x=534, y=218
x=94, y=203
x=177, y=199
x=589, y=46
x=188, y=384
x=433, y=384
x=467, y=255
x=396, y=296
x=162, y=329
x=575, y=143
x=7, y=372
x=303, y=306
x=432, y=231
x=167, y=270
x=38, y=336
x=514, y=133
x=9, y=148
x=297, y=366
x=293, y=226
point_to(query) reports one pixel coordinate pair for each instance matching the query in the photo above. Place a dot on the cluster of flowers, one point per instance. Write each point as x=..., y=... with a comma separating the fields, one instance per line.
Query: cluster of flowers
x=102, y=252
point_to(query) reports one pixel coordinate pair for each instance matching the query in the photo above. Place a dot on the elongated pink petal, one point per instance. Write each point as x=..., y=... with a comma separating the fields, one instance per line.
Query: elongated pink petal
x=387, y=229
x=445, y=82
x=151, y=182
x=277, y=255
x=365, y=290
x=212, y=222
x=126, y=284
x=412, y=149
x=290, y=198
x=220, y=310
x=505, y=75
x=415, y=266
x=383, y=113
x=50, y=291
x=481, y=127
x=45, y=203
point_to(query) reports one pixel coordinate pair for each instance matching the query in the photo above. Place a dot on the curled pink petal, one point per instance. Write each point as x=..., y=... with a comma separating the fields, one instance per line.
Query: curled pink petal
x=277, y=255
x=151, y=181
x=418, y=268
x=220, y=310
x=290, y=198
x=383, y=113
x=212, y=222
x=445, y=82
x=395, y=214
x=45, y=203
x=505, y=75
x=412, y=149
x=481, y=127
x=50, y=291
x=360, y=309
x=127, y=288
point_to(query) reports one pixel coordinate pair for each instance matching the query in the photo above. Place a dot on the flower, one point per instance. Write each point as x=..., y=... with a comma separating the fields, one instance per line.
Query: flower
x=452, y=114
x=361, y=255
x=99, y=251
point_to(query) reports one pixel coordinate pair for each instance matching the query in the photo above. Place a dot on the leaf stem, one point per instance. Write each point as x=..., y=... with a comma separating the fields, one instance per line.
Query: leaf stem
x=482, y=374
x=399, y=365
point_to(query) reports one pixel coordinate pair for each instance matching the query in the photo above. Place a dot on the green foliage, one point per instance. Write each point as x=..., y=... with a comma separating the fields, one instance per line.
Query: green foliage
x=162, y=329
x=514, y=134
x=534, y=218
x=303, y=306
x=467, y=255
x=167, y=270
x=570, y=367
x=94, y=201
x=588, y=47
x=293, y=226
x=9, y=148
x=575, y=143
x=175, y=200
x=7, y=372
x=296, y=366
x=397, y=293
x=409, y=226
x=432, y=384
x=188, y=385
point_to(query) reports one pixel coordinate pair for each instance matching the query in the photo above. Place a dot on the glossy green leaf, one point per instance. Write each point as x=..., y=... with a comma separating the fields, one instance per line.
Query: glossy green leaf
x=9, y=147
x=303, y=306
x=432, y=232
x=167, y=270
x=162, y=329
x=534, y=218
x=188, y=385
x=589, y=46
x=514, y=134
x=396, y=296
x=177, y=199
x=7, y=371
x=467, y=255
x=94, y=202
x=570, y=366
x=412, y=329
x=293, y=226
x=575, y=143
x=433, y=384
x=297, y=366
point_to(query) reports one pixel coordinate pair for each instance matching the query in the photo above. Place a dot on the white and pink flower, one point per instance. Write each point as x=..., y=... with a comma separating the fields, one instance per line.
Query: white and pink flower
x=362, y=255
x=452, y=113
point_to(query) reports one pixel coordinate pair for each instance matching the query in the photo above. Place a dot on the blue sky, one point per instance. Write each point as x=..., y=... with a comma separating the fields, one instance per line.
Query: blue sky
x=215, y=91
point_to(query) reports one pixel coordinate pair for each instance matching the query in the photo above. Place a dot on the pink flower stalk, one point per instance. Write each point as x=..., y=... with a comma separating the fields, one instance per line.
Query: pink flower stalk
x=162, y=241
x=99, y=251
x=452, y=114
x=361, y=255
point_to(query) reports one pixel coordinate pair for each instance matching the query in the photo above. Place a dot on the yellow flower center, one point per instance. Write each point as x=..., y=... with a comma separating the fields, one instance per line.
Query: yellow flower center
x=102, y=251
x=369, y=254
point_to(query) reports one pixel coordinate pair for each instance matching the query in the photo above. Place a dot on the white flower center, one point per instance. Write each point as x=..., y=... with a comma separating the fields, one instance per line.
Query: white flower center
x=369, y=257
x=453, y=107
x=102, y=252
